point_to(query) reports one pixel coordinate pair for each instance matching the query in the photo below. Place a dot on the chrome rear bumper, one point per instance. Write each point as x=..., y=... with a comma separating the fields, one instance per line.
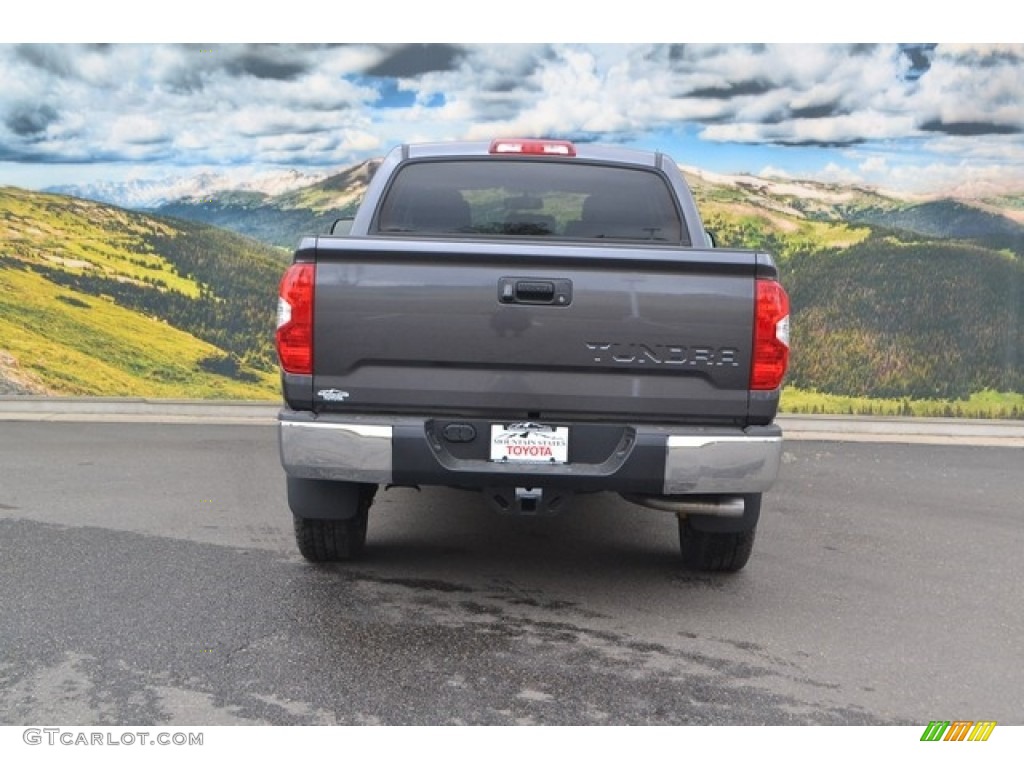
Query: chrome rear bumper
x=675, y=460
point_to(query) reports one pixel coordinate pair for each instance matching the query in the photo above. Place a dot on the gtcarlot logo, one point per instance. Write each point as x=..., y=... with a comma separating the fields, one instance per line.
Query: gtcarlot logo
x=958, y=730
x=74, y=738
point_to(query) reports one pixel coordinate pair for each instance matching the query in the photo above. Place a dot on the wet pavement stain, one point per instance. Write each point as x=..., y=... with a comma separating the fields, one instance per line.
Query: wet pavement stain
x=103, y=627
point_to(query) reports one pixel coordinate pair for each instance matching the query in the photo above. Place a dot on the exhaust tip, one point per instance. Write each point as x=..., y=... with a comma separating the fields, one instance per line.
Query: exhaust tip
x=712, y=506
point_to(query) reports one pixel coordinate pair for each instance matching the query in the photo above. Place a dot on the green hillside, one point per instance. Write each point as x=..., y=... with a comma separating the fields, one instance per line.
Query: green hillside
x=907, y=318
x=96, y=300
x=948, y=220
x=898, y=306
x=909, y=302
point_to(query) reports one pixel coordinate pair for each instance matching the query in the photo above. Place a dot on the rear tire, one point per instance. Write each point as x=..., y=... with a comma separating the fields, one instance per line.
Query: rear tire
x=330, y=518
x=330, y=541
x=718, y=551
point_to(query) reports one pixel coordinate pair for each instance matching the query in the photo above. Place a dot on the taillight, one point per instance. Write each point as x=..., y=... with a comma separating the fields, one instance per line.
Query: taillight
x=532, y=147
x=771, y=336
x=295, y=319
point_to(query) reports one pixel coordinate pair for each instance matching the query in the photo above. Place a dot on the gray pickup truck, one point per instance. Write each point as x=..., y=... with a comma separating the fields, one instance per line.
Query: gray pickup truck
x=534, y=320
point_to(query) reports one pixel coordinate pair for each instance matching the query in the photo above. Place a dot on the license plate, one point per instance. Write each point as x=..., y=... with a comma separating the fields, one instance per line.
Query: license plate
x=529, y=442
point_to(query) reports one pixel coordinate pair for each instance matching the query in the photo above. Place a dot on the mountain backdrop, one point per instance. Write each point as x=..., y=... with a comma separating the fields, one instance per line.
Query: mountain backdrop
x=99, y=300
x=280, y=219
x=147, y=194
x=892, y=297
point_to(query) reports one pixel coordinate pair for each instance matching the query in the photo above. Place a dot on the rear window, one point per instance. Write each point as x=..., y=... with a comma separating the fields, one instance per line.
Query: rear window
x=571, y=200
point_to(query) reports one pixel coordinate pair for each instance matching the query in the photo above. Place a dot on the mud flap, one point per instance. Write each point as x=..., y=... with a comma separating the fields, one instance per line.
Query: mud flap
x=326, y=499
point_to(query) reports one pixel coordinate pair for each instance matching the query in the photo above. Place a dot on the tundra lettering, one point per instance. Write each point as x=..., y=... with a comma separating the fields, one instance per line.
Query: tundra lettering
x=662, y=354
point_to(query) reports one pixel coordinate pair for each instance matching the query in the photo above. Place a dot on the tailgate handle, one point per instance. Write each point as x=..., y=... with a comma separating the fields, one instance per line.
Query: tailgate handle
x=532, y=290
x=516, y=290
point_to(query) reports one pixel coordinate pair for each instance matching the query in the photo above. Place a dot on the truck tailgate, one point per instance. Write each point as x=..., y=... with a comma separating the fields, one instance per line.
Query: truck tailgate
x=513, y=329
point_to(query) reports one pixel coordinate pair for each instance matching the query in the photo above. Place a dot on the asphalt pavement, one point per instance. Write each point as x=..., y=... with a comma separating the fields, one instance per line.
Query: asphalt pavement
x=148, y=574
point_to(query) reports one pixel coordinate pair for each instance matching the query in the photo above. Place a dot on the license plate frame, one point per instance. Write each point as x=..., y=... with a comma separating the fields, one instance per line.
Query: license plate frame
x=529, y=443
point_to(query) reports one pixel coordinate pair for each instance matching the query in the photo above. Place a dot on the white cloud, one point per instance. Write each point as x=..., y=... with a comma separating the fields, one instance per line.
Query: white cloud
x=137, y=129
x=313, y=105
x=974, y=85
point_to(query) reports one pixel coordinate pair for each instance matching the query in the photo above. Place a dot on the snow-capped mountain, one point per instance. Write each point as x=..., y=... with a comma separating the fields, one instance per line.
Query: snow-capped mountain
x=152, y=193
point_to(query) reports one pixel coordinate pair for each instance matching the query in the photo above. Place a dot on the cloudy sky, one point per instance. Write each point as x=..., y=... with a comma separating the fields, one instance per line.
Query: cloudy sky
x=911, y=117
